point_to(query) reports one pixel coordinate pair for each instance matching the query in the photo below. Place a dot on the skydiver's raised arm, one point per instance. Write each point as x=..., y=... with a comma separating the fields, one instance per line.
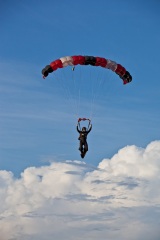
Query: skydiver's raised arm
x=90, y=128
x=78, y=129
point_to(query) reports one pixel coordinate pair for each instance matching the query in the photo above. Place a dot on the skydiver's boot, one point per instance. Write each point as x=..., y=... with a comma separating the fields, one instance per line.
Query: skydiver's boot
x=82, y=154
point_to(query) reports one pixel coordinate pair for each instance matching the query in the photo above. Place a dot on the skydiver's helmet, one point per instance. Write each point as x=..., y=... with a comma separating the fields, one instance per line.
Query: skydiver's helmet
x=84, y=129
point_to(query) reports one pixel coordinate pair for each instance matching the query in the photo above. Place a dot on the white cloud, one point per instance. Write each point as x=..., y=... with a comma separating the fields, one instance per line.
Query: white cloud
x=134, y=161
x=73, y=200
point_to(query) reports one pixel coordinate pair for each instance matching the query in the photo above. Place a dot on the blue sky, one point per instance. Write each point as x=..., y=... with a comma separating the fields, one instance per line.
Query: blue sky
x=33, y=35
x=38, y=117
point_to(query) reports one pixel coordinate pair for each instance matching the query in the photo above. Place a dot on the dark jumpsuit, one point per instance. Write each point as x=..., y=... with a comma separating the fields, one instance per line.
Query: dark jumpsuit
x=83, y=139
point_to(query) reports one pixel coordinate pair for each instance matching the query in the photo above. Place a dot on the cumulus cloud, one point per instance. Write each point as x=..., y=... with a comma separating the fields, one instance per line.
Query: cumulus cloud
x=118, y=199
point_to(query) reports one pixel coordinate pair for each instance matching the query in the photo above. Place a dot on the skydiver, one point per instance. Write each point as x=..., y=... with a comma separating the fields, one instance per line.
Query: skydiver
x=83, y=145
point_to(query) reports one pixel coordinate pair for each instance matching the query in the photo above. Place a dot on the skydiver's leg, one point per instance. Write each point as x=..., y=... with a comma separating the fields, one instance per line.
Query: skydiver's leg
x=85, y=147
x=80, y=146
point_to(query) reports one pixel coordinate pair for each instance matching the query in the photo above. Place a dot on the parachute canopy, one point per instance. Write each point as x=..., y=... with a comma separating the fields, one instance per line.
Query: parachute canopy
x=88, y=60
x=83, y=119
